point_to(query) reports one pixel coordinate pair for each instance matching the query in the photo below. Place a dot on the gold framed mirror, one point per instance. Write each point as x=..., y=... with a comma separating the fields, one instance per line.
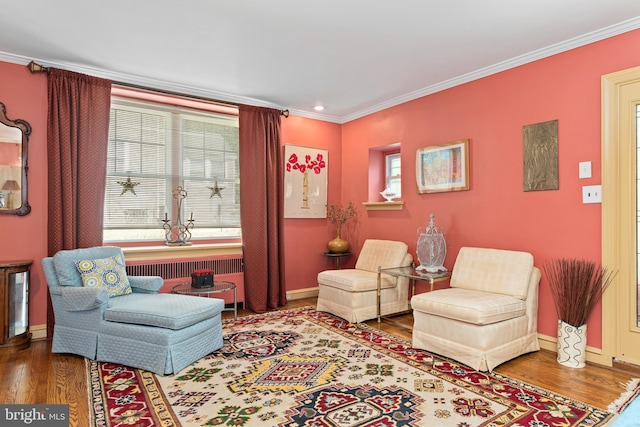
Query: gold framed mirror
x=14, y=139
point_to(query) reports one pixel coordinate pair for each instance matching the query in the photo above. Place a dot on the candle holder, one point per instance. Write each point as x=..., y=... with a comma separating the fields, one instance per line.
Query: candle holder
x=178, y=234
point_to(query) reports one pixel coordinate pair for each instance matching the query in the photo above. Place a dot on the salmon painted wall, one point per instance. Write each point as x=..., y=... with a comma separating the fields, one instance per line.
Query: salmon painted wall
x=25, y=97
x=305, y=240
x=495, y=212
x=491, y=112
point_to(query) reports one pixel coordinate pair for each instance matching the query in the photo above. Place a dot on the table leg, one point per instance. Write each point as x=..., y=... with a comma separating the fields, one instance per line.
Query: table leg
x=378, y=295
x=235, y=303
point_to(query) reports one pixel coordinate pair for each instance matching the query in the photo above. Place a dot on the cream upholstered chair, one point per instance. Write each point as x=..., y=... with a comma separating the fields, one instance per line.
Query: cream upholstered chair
x=489, y=314
x=352, y=293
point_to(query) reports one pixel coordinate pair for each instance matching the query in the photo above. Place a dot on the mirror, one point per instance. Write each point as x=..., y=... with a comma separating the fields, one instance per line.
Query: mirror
x=14, y=137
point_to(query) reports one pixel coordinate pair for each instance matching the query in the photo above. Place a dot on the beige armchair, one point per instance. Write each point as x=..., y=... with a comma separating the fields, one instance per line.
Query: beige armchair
x=489, y=314
x=352, y=293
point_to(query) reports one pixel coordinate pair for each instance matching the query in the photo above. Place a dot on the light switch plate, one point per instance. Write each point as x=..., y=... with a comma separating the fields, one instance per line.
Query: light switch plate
x=585, y=170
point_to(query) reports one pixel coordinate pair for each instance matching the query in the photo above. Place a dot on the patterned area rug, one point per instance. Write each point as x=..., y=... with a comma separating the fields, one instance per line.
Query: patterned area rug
x=627, y=407
x=306, y=368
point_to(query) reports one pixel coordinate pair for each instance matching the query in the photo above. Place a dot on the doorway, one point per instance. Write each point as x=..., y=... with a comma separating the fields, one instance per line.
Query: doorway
x=620, y=207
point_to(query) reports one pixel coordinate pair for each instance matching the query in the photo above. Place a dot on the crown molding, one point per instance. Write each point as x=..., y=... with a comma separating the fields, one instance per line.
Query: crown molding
x=163, y=85
x=583, y=40
x=141, y=81
x=601, y=34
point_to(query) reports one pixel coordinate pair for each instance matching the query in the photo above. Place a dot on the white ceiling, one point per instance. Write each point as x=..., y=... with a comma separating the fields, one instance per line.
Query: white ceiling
x=353, y=56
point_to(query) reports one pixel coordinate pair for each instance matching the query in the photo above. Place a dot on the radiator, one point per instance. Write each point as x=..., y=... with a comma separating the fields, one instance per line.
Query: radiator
x=183, y=268
x=175, y=271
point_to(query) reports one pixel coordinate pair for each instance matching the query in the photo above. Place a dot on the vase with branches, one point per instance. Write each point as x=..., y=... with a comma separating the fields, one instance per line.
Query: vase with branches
x=576, y=287
x=339, y=215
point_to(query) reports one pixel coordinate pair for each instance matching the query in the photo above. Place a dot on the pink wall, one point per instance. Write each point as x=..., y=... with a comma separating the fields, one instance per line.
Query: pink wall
x=494, y=213
x=10, y=153
x=306, y=239
x=25, y=97
x=491, y=112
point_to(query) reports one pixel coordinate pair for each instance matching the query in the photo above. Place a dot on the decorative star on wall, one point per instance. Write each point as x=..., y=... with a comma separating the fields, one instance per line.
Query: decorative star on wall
x=216, y=190
x=128, y=185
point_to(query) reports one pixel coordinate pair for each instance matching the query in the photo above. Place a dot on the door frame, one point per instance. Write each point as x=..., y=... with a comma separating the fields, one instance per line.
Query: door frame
x=618, y=211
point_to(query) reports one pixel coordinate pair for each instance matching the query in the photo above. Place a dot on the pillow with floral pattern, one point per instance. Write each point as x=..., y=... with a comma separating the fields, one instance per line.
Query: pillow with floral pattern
x=106, y=273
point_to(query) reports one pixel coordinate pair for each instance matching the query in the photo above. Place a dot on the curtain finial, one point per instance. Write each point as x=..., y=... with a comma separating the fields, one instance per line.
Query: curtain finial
x=37, y=68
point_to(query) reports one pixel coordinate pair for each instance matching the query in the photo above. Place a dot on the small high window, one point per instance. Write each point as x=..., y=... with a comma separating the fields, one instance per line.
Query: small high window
x=392, y=174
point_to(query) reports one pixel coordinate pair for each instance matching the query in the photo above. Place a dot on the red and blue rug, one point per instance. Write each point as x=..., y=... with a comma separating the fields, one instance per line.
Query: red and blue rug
x=627, y=407
x=305, y=368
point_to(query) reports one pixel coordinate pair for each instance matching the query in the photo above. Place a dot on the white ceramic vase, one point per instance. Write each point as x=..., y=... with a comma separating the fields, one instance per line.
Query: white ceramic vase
x=572, y=345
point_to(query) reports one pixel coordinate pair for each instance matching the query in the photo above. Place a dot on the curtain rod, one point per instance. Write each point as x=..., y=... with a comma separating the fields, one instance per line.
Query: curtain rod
x=37, y=68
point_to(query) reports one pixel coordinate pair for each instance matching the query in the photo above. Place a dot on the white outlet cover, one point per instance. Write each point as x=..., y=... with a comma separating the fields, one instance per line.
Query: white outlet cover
x=592, y=194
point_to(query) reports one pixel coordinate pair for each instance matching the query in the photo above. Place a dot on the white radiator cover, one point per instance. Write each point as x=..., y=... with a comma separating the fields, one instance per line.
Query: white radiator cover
x=175, y=271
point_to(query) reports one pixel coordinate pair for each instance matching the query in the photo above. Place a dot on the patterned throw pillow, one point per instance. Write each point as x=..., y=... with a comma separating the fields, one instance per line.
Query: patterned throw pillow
x=106, y=273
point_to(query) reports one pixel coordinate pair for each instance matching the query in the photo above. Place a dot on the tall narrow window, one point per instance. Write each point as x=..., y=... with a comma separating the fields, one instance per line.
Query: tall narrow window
x=153, y=149
x=392, y=174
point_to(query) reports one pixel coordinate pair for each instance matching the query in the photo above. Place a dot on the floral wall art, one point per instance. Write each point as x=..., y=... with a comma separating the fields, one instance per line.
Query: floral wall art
x=305, y=182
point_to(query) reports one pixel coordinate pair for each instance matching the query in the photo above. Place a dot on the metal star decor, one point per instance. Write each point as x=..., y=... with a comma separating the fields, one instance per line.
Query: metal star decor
x=216, y=190
x=128, y=185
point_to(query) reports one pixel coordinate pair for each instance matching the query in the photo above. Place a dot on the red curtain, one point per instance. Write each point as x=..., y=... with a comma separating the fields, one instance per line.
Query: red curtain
x=77, y=142
x=261, y=208
x=77, y=138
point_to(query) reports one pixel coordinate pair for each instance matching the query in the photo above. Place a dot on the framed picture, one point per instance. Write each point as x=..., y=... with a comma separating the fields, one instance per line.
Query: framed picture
x=305, y=182
x=443, y=167
x=540, y=156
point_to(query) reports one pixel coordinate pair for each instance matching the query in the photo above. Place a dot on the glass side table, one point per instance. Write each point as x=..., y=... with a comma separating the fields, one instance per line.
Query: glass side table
x=413, y=275
x=219, y=286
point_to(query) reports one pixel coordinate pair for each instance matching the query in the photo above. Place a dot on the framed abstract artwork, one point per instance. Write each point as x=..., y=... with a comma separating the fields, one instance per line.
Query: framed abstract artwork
x=305, y=182
x=443, y=167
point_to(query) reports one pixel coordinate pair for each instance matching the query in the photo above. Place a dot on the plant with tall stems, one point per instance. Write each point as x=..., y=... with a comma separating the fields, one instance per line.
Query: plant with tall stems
x=339, y=214
x=576, y=286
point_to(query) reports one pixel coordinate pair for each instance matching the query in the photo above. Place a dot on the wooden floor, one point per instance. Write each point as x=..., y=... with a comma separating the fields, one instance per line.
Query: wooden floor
x=35, y=375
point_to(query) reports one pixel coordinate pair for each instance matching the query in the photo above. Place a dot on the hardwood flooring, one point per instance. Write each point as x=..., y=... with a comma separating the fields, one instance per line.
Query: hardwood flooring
x=36, y=376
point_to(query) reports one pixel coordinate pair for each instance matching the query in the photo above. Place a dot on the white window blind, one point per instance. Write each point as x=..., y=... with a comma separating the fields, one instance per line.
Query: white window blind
x=159, y=147
x=393, y=173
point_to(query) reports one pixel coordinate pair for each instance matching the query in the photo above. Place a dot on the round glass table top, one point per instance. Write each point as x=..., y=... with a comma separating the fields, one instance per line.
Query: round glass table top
x=218, y=286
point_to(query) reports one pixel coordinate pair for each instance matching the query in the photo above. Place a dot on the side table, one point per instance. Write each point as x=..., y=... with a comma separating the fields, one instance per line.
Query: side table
x=412, y=274
x=14, y=305
x=218, y=287
x=337, y=257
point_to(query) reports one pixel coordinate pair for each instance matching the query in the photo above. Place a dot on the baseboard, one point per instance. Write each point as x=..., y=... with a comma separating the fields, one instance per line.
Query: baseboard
x=302, y=293
x=38, y=332
x=594, y=355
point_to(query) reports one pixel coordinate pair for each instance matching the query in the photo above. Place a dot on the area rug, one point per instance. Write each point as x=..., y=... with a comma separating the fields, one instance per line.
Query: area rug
x=306, y=368
x=627, y=407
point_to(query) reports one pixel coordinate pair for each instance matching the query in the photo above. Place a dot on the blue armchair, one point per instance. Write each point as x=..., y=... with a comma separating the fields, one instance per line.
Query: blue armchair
x=141, y=328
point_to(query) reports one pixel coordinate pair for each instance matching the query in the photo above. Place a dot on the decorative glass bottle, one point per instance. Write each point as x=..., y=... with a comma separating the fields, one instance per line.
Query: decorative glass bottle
x=431, y=248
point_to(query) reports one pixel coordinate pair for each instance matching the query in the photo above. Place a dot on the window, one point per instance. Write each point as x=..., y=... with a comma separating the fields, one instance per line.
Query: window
x=153, y=149
x=392, y=173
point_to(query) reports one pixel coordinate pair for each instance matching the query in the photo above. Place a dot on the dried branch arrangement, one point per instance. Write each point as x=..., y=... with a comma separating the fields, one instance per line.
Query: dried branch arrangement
x=339, y=214
x=576, y=286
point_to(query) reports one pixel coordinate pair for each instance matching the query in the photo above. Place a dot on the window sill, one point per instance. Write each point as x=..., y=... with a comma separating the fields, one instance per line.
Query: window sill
x=384, y=206
x=144, y=253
